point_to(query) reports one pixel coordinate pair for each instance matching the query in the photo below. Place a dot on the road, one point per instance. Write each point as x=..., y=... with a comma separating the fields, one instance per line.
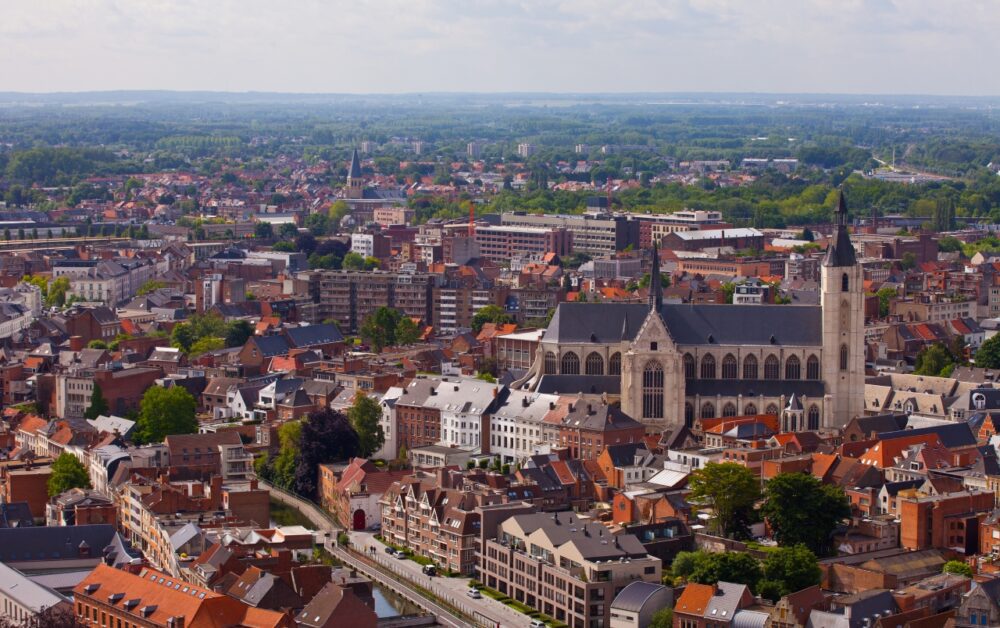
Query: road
x=454, y=591
x=398, y=574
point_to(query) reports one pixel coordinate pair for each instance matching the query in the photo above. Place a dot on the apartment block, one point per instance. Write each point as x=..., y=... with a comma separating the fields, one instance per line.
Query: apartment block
x=348, y=297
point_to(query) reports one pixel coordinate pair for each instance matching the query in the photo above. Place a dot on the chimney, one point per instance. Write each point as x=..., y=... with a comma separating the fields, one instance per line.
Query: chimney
x=76, y=343
x=552, y=405
x=590, y=409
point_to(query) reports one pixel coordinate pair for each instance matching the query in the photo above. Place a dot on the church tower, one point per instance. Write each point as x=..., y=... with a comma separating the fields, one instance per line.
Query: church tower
x=842, y=299
x=355, y=181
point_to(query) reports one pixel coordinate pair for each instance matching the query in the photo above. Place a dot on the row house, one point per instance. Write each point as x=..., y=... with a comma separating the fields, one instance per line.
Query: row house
x=353, y=494
x=516, y=425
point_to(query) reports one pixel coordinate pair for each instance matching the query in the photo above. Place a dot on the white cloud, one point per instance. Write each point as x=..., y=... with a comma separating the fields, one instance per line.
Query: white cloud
x=883, y=46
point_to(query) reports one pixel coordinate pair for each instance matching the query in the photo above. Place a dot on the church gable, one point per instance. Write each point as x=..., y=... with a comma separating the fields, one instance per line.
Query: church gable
x=653, y=335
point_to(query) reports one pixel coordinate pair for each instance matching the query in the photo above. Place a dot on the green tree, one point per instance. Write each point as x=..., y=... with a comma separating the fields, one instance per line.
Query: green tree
x=885, y=296
x=206, y=344
x=663, y=618
x=56, y=294
x=379, y=329
x=98, y=404
x=238, y=332
x=738, y=567
x=933, y=360
x=183, y=336
x=97, y=344
x=407, y=332
x=684, y=564
x=288, y=230
x=150, y=286
x=353, y=261
x=490, y=314
x=165, y=411
x=731, y=490
x=646, y=278
x=957, y=567
x=67, y=472
x=285, y=463
x=793, y=568
x=988, y=355
x=950, y=244
x=337, y=212
x=364, y=415
x=800, y=509
x=263, y=231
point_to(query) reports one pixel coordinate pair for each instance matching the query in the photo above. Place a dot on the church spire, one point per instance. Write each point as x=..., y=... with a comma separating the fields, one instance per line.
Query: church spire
x=655, y=284
x=840, y=252
x=354, y=172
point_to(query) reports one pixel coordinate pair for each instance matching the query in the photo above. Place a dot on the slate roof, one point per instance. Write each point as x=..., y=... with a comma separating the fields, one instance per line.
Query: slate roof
x=271, y=346
x=313, y=335
x=952, y=435
x=587, y=384
x=689, y=324
x=52, y=543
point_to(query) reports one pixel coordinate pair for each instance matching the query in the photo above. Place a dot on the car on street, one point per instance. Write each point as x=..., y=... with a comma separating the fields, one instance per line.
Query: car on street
x=474, y=593
x=389, y=550
x=538, y=623
x=399, y=554
x=429, y=570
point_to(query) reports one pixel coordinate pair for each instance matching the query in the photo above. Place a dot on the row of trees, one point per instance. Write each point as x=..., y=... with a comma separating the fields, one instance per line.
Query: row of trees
x=785, y=570
x=203, y=333
x=799, y=509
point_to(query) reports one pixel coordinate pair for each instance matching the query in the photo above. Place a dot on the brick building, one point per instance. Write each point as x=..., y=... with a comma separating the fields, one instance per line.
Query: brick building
x=948, y=521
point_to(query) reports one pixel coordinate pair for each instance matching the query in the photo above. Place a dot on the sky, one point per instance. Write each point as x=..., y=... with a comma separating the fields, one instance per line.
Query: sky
x=946, y=47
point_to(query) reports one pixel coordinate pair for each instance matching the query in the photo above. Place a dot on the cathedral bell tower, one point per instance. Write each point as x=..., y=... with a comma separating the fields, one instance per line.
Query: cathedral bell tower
x=842, y=299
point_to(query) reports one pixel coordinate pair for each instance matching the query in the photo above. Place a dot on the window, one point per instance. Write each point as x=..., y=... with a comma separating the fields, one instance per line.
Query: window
x=793, y=368
x=689, y=366
x=688, y=415
x=729, y=367
x=844, y=283
x=729, y=410
x=708, y=367
x=812, y=368
x=707, y=410
x=595, y=364
x=652, y=390
x=550, y=362
x=813, y=417
x=750, y=367
x=749, y=409
x=771, y=409
x=570, y=364
x=843, y=357
x=615, y=364
x=772, y=367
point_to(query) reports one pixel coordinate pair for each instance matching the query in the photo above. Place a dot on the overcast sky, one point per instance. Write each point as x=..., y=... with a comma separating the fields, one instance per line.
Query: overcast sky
x=367, y=46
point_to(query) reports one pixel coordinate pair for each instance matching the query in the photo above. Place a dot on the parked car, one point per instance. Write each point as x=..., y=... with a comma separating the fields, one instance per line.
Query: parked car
x=375, y=527
x=474, y=593
x=538, y=623
x=429, y=570
x=389, y=550
x=400, y=554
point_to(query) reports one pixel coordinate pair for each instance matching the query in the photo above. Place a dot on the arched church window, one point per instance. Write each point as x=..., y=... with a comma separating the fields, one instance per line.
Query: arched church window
x=729, y=367
x=812, y=367
x=708, y=366
x=793, y=368
x=689, y=366
x=772, y=367
x=845, y=283
x=749, y=409
x=615, y=364
x=708, y=410
x=729, y=409
x=771, y=409
x=813, y=419
x=750, y=367
x=570, y=364
x=594, y=364
x=652, y=390
x=843, y=357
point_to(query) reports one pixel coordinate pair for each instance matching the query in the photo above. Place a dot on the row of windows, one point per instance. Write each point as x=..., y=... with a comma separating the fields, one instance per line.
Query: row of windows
x=751, y=370
x=593, y=365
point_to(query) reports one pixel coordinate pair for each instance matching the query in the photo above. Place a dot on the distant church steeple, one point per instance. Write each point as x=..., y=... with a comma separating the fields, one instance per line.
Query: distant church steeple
x=840, y=253
x=355, y=181
x=655, y=283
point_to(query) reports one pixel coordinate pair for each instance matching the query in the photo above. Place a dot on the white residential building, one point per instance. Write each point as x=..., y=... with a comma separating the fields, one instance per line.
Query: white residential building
x=516, y=424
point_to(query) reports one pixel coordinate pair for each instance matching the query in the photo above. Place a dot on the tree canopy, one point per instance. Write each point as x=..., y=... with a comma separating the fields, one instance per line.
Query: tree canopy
x=490, y=314
x=957, y=567
x=731, y=490
x=166, y=411
x=792, y=569
x=327, y=436
x=67, y=472
x=364, y=415
x=988, y=355
x=387, y=327
x=801, y=509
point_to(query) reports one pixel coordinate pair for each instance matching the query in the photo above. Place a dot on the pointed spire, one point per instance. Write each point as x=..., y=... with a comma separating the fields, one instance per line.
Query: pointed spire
x=354, y=172
x=840, y=252
x=655, y=284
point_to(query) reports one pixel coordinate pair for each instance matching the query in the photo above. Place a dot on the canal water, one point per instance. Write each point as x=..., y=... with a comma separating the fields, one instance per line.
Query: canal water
x=389, y=604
